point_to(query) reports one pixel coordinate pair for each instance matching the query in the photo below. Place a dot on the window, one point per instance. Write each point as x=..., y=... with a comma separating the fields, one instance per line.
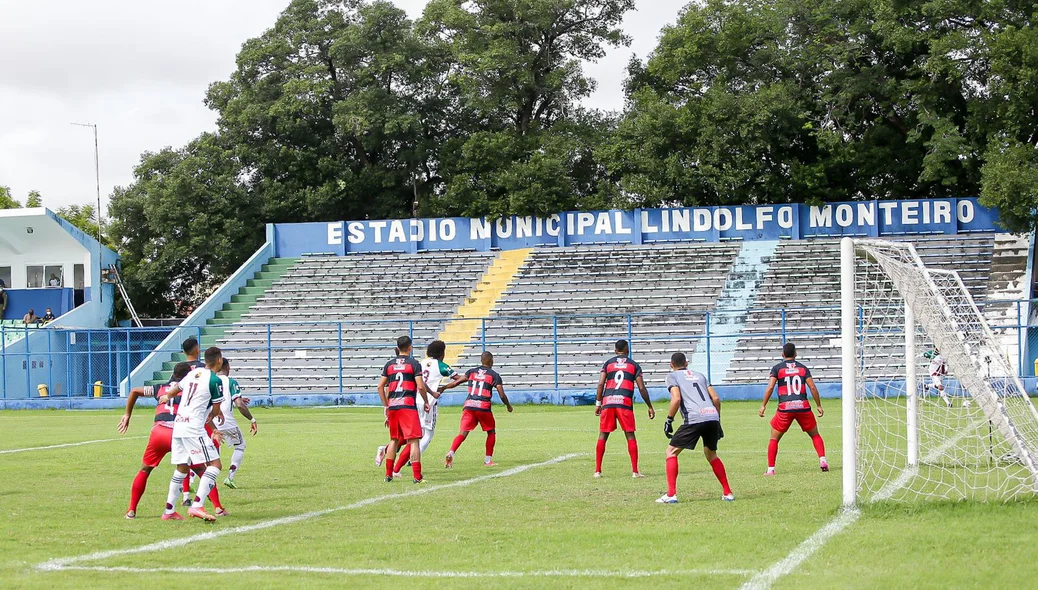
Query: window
x=55, y=276
x=5, y=277
x=34, y=277
x=77, y=277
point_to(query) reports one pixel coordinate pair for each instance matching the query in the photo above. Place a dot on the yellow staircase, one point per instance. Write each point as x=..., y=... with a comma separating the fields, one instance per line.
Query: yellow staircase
x=466, y=323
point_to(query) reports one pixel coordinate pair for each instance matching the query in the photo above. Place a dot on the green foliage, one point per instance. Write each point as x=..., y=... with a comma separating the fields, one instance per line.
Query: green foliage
x=34, y=200
x=7, y=201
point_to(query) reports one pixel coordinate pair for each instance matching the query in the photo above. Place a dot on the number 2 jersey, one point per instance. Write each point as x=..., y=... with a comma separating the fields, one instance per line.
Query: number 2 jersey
x=621, y=373
x=696, y=405
x=792, y=386
x=402, y=386
x=482, y=381
x=199, y=391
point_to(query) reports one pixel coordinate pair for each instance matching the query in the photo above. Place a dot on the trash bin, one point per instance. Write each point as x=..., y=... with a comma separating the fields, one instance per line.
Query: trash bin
x=97, y=388
x=44, y=392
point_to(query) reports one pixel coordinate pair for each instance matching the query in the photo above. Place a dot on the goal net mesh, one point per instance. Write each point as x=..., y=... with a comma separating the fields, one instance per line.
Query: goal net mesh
x=978, y=438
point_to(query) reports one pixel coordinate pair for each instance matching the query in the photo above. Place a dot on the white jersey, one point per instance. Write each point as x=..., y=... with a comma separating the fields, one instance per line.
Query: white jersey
x=937, y=366
x=201, y=389
x=231, y=392
x=434, y=372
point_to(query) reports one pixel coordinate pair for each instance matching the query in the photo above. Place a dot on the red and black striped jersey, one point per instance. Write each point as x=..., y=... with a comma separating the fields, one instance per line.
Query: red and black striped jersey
x=482, y=381
x=402, y=387
x=165, y=413
x=621, y=374
x=792, y=386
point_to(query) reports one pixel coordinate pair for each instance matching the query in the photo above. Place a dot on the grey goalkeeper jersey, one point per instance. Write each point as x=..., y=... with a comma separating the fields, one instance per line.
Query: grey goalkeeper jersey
x=696, y=405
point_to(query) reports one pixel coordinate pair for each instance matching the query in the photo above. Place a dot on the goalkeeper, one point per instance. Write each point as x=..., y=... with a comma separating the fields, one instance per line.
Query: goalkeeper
x=938, y=369
x=701, y=413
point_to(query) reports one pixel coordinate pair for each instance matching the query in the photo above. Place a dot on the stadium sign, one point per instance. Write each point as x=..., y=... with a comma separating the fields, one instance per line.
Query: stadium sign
x=640, y=226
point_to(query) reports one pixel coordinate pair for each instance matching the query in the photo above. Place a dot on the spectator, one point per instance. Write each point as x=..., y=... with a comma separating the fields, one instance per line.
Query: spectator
x=3, y=301
x=48, y=317
x=54, y=281
x=31, y=318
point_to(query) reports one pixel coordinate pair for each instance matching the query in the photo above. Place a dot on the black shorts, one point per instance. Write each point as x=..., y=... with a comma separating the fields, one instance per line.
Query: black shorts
x=688, y=435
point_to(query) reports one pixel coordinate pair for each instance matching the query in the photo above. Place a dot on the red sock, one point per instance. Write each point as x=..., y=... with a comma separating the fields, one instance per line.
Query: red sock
x=401, y=460
x=416, y=469
x=720, y=474
x=491, y=440
x=599, y=453
x=214, y=497
x=672, y=476
x=632, y=448
x=772, y=453
x=819, y=444
x=389, y=465
x=137, y=489
x=457, y=443
x=187, y=478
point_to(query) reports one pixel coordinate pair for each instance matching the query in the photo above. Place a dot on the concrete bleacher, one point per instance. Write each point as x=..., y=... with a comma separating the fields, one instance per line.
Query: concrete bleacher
x=324, y=313
x=584, y=295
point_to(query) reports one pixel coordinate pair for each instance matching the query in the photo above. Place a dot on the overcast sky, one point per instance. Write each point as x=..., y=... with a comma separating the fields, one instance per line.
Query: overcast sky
x=139, y=70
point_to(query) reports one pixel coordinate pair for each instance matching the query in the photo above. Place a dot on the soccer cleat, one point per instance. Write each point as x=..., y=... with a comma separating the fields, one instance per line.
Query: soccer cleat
x=637, y=475
x=131, y=514
x=489, y=464
x=230, y=483
x=665, y=499
x=201, y=513
x=448, y=461
x=728, y=497
x=598, y=475
x=172, y=516
x=221, y=511
x=396, y=475
x=389, y=478
x=186, y=501
x=420, y=480
x=769, y=472
x=380, y=455
x=824, y=465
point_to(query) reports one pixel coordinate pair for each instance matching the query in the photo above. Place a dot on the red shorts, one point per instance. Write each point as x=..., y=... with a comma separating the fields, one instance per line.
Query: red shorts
x=610, y=416
x=783, y=420
x=404, y=424
x=160, y=443
x=470, y=419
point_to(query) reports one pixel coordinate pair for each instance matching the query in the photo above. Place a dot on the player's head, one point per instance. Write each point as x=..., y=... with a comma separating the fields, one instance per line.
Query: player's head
x=678, y=361
x=436, y=350
x=487, y=359
x=621, y=347
x=190, y=347
x=226, y=368
x=789, y=351
x=181, y=370
x=213, y=359
x=403, y=344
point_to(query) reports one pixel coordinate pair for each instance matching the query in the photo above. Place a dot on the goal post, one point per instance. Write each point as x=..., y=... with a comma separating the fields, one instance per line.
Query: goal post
x=967, y=431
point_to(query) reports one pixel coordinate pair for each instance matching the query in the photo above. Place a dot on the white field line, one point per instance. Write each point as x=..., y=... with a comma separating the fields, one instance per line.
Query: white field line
x=843, y=519
x=558, y=573
x=76, y=444
x=63, y=562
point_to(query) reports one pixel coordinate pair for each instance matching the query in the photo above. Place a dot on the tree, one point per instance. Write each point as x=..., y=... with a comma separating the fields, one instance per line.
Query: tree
x=6, y=200
x=34, y=200
x=84, y=217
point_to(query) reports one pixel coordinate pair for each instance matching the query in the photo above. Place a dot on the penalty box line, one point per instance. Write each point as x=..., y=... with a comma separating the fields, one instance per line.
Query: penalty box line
x=555, y=573
x=64, y=562
x=75, y=444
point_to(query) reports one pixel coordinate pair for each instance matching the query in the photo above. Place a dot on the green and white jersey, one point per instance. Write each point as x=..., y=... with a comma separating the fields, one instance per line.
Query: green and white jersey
x=201, y=389
x=227, y=405
x=435, y=372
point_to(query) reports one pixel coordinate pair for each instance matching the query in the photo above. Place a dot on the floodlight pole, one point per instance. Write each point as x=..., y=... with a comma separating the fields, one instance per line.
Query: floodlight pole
x=97, y=178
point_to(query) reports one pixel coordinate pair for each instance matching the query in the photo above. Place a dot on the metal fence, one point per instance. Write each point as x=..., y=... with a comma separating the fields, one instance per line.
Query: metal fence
x=76, y=363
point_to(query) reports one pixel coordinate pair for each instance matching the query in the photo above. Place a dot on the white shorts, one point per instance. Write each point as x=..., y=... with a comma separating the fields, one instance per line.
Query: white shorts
x=234, y=437
x=937, y=381
x=428, y=420
x=193, y=450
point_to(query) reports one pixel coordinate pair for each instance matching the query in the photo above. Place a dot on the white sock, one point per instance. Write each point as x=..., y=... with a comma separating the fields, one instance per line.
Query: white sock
x=175, y=485
x=427, y=436
x=822, y=459
x=205, y=485
x=488, y=459
x=236, y=458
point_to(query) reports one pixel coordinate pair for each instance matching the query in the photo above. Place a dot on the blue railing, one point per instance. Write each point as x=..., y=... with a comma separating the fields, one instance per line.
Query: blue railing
x=71, y=362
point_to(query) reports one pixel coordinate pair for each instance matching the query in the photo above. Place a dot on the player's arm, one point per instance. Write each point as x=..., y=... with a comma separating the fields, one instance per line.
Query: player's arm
x=243, y=407
x=767, y=395
x=645, y=395
x=814, y=394
x=135, y=393
x=598, y=394
x=455, y=381
x=422, y=389
x=211, y=421
x=504, y=398
x=171, y=392
x=716, y=400
x=672, y=410
x=382, y=391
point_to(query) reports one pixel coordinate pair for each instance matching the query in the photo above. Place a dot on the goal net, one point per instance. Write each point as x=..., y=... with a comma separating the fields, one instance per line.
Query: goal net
x=936, y=409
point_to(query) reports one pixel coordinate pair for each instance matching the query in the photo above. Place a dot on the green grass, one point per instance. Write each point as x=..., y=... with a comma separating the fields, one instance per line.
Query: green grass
x=70, y=501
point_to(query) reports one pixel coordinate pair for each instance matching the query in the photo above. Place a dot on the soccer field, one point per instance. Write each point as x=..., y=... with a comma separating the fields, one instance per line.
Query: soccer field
x=312, y=510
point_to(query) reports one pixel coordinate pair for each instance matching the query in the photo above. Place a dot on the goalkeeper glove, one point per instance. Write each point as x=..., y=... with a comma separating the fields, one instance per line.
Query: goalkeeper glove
x=668, y=427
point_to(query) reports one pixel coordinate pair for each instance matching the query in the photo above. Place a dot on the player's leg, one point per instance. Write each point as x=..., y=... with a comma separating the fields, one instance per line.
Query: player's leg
x=416, y=458
x=711, y=434
x=672, y=475
x=606, y=425
x=403, y=456
x=779, y=425
x=214, y=495
x=236, y=438
x=489, y=425
x=468, y=424
x=810, y=426
x=938, y=384
x=207, y=480
x=175, y=483
x=429, y=428
x=158, y=447
x=390, y=460
x=626, y=418
x=140, y=483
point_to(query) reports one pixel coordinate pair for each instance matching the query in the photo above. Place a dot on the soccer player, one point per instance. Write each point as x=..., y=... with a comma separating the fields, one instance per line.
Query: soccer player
x=938, y=369
x=792, y=376
x=202, y=392
x=689, y=393
x=400, y=384
x=161, y=436
x=439, y=377
x=229, y=430
x=191, y=351
x=614, y=402
x=482, y=381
